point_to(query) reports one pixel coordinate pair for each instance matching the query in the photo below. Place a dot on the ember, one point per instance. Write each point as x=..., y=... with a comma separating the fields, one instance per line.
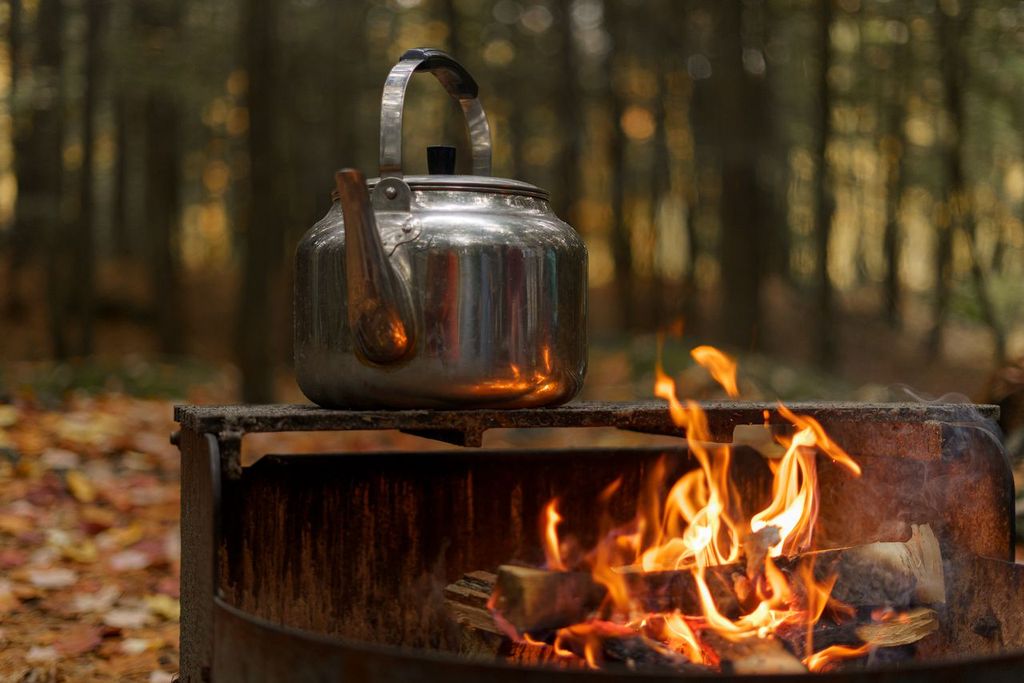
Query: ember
x=694, y=582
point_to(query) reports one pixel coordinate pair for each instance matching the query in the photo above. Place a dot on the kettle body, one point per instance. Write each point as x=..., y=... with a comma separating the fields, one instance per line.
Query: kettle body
x=439, y=291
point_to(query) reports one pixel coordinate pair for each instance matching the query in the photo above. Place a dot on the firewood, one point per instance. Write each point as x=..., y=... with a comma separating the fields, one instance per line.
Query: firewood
x=536, y=600
x=897, y=574
x=904, y=628
x=753, y=655
x=612, y=644
x=466, y=601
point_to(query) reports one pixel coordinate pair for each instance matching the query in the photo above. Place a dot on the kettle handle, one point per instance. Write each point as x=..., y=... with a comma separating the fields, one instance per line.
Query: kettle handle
x=459, y=84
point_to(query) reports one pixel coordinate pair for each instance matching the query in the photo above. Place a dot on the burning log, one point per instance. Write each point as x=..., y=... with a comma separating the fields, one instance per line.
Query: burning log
x=538, y=600
x=896, y=574
x=904, y=628
x=466, y=601
x=753, y=655
x=599, y=643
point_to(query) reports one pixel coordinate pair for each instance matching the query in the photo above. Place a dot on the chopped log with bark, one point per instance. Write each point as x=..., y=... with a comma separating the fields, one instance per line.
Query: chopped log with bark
x=538, y=600
x=904, y=628
x=896, y=574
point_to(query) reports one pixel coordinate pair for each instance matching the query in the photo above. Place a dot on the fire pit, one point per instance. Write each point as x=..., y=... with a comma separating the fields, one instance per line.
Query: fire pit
x=347, y=566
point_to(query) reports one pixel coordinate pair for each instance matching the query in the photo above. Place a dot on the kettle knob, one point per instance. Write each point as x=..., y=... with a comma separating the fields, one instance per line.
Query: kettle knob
x=441, y=160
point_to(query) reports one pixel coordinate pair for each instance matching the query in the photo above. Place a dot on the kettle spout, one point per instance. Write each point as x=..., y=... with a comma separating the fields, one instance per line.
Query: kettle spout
x=379, y=312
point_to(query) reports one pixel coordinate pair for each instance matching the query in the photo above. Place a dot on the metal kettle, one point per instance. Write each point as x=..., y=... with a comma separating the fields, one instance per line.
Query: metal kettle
x=440, y=290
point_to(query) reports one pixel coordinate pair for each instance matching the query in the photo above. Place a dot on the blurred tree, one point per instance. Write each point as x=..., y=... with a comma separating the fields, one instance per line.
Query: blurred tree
x=571, y=114
x=954, y=24
x=621, y=234
x=85, y=233
x=262, y=243
x=824, y=203
x=740, y=96
x=21, y=234
x=42, y=170
x=160, y=22
x=893, y=153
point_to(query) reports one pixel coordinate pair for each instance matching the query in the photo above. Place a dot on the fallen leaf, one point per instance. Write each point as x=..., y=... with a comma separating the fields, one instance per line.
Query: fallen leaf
x=59, y=459
x=38, y=654
x=14, y=525
x=94, y=519
x=78, y=641
x=83, y=552
x=164, y=606
x=128, y=560
x=136, y=646
x=80, y=487
x=100, y=601
x=8, y=600
x=12, y=557
x=8, y=416
x=128, y=617
x=121, y=537
x=56, y=577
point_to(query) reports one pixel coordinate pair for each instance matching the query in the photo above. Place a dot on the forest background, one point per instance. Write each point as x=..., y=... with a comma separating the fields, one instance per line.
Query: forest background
x=834, y=187
x=832, y=190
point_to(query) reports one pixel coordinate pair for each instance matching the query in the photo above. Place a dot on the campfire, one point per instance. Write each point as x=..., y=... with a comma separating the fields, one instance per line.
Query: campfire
x=699, y=580
x=752, y=545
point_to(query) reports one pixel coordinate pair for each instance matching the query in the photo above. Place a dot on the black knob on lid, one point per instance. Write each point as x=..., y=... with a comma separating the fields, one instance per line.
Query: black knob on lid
x=441, y=160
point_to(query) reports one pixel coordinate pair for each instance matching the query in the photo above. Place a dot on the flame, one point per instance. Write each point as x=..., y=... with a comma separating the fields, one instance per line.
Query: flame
x=699, y=524
x=721, y=367
x=833, y=653
x=552, y=548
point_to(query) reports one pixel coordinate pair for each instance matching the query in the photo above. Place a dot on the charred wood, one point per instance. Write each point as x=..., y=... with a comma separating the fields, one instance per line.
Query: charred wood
x=895, y=574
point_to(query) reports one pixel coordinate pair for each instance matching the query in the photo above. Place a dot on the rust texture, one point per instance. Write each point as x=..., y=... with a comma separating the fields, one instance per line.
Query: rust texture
x=644, y=416
x=252, y=650
x=198, y=512
x=360, y=545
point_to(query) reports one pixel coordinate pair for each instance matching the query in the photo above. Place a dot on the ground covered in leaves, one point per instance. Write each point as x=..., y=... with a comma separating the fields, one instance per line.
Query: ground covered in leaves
x=89, y=541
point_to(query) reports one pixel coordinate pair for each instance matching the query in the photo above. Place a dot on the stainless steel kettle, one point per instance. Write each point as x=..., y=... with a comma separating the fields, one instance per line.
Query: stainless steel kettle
x=439, y=290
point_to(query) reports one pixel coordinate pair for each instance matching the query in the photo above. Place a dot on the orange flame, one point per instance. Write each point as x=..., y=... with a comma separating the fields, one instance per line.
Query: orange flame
x=699, y=524
x=552, y=548
x=833, y=653
x=721, y=367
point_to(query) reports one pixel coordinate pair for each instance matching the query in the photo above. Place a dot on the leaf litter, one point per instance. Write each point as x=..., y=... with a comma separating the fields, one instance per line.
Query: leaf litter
x=89, y=546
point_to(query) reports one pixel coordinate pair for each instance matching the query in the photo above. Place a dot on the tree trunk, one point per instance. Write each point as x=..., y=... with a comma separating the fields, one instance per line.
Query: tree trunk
x=953, y=28
x=123, y=239
x=20, y=245
x=824, y=203
x=162, y=193
x=893, y=152
x=262, y=244
x=571, y=116
x=39, y=203
x=741, y=106
x=162, y=176
x=621, y=244
x=85, y=237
